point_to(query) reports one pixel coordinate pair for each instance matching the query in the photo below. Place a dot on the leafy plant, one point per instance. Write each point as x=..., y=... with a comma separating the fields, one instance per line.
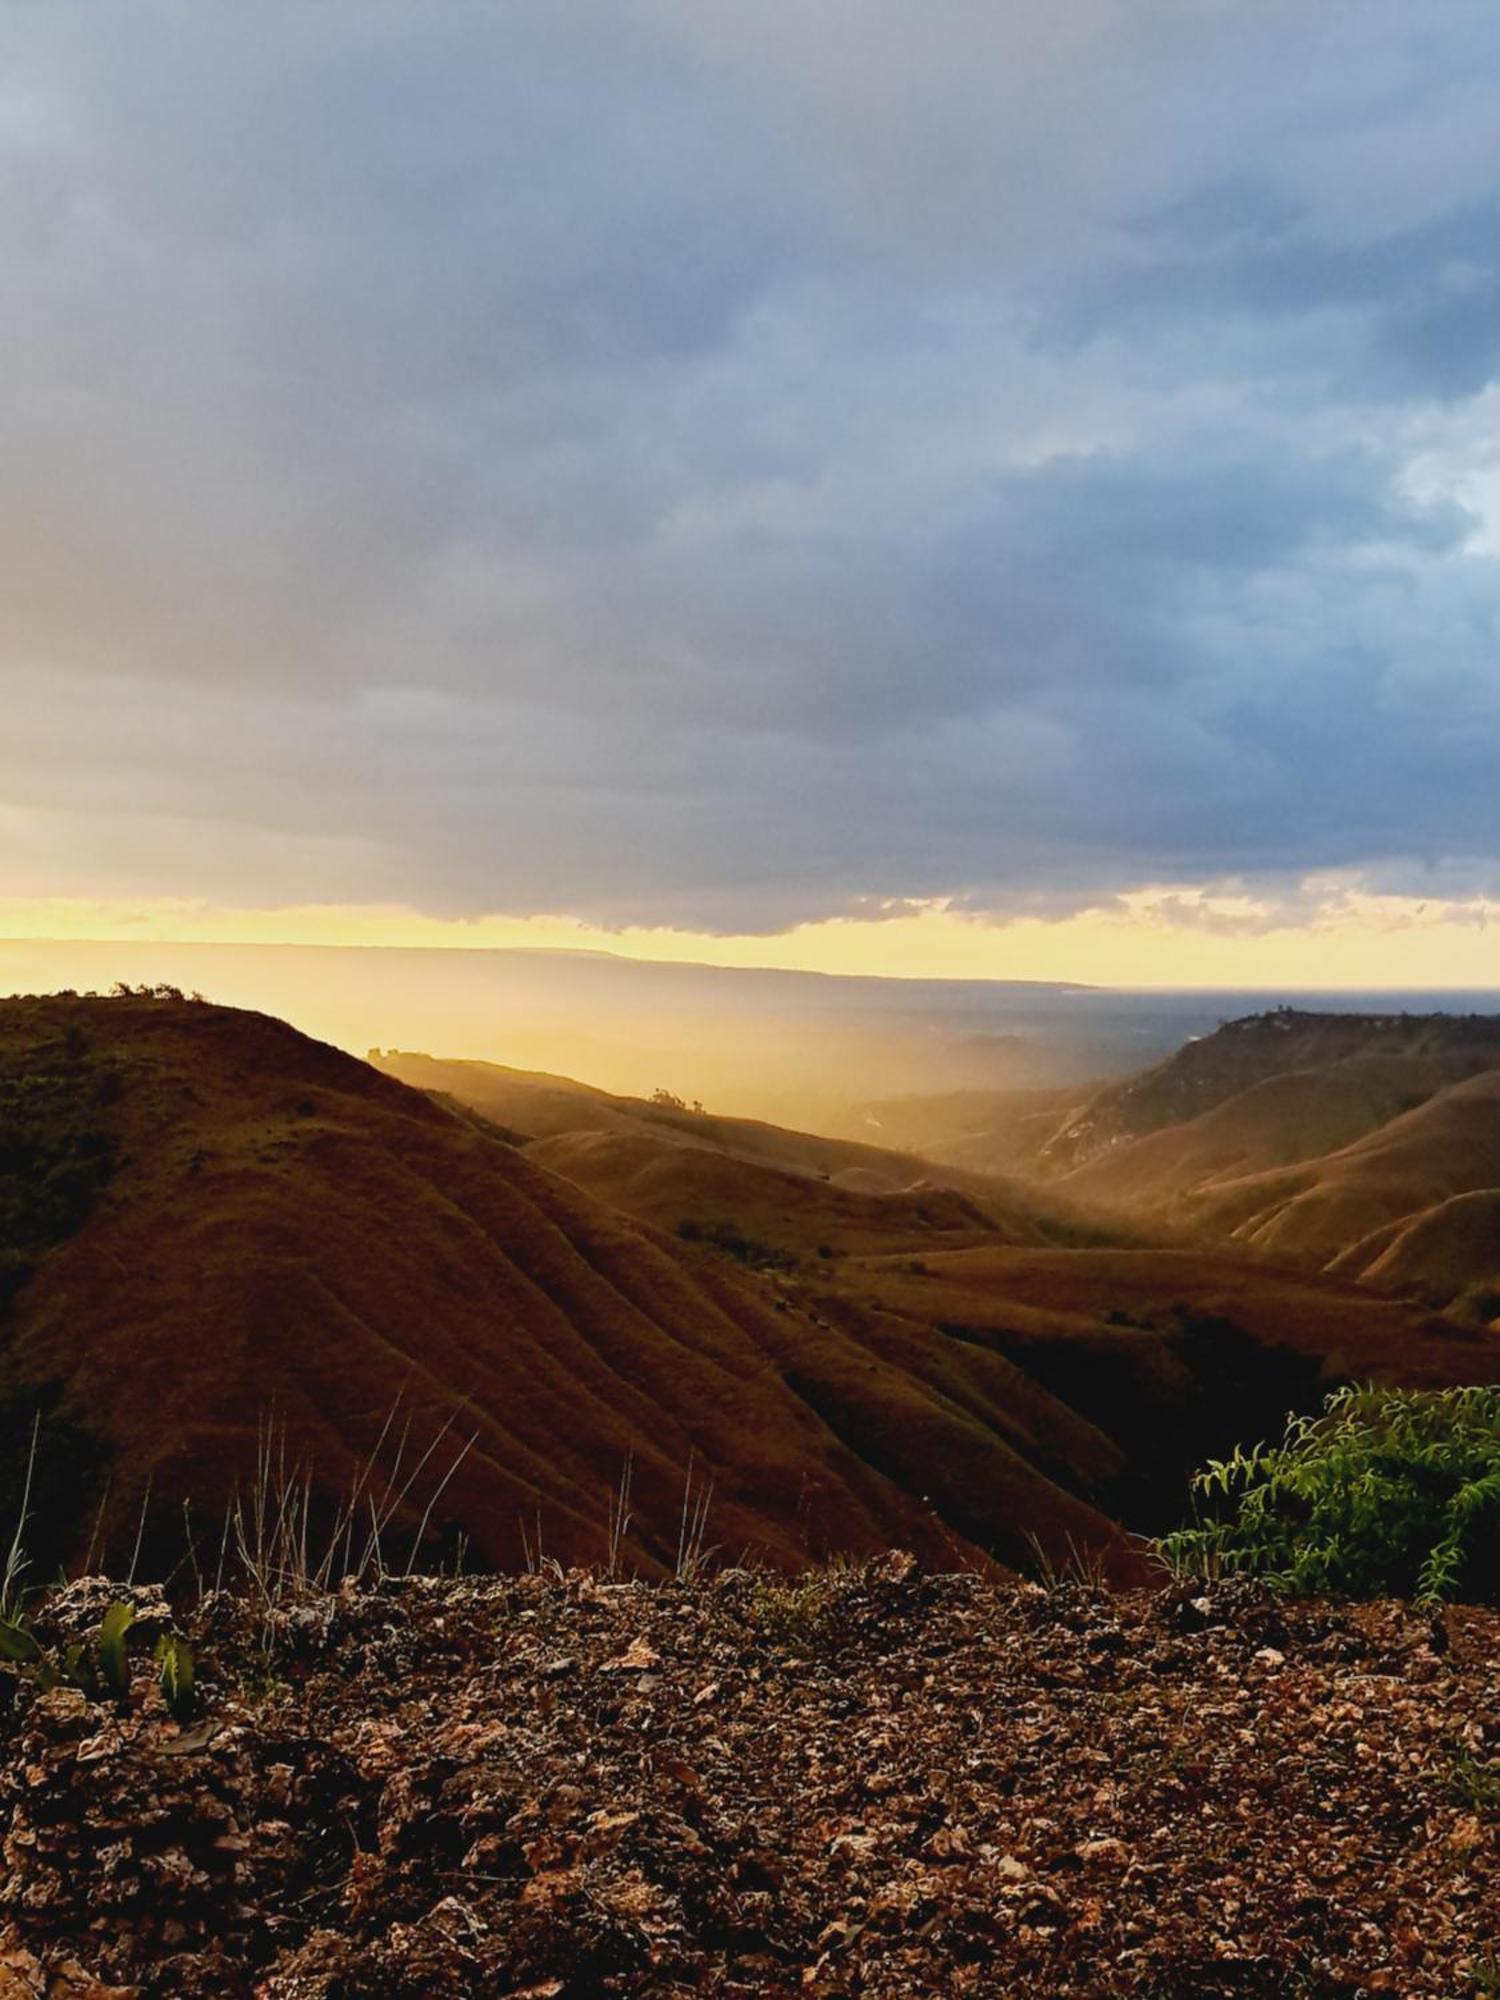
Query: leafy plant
x=174, y=1657
x=1388, y=1492
x=102, y=1668
x=19, y=1645
x=114, y=1669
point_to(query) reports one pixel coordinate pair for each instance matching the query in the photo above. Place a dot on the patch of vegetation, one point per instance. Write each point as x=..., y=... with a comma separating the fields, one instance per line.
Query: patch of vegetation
x=731, y=1240
x=808, y=1613
x=668, y=1100
x=1476, y=1784
x=55, y=1154
x=97, y=1667
x=1390, y=1492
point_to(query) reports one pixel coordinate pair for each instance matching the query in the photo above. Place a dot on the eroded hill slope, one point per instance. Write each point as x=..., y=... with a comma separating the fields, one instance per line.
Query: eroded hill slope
x=1348, y=1165
x=1159, y=1356
x=251, y=1225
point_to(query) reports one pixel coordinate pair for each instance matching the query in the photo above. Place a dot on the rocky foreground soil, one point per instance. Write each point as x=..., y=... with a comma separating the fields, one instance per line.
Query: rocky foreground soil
x=873, y=1782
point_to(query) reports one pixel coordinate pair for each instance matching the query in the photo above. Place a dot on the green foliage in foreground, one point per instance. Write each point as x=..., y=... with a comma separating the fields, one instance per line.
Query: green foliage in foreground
x=99, y=1669
x=1390, y=1492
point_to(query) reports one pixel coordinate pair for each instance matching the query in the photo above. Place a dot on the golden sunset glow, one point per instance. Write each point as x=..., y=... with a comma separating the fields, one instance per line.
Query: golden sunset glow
x=1169, y=937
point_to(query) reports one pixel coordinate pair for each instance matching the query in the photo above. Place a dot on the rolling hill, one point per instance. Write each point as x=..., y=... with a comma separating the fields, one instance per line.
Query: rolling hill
x=214, y=1230
x=211, y=1223
x=1380, y=1162
x=1322, y=1208
x=1365, y=1145
x=666, y=1161
x=1165, y=1354
x=1430, y=1049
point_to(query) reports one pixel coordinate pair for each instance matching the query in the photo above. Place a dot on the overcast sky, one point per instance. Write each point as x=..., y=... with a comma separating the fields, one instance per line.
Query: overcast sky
x=712, y=463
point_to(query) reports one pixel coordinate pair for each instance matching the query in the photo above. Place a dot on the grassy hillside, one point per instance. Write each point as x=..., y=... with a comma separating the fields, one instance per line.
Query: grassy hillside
x=1436, y=1048
x=1364, y=1145
x=1129, y=1362
x=281, y=1233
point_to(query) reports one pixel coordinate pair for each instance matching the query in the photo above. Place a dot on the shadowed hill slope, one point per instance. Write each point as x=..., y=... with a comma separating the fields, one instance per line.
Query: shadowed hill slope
x=1437, y=1049
x=1176, y=1355
x=1160, y=1357
x=247, y=1221
x=1448, y=1146
x=667, y=1143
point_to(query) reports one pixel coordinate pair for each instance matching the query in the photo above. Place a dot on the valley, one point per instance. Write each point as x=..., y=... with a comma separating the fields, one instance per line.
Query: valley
x=247, y=1235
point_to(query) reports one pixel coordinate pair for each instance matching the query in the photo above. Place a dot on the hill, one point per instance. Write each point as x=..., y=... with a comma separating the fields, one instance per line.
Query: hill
x=1345, y=1157
x=1448, y=1146
x=1280, y=1121
x=665, y=1161
x=212, y=1225
x=701, y=1193
x=1131, y=1361
x=1450, y=1251
x=1438, y=1048
x=210, y=1218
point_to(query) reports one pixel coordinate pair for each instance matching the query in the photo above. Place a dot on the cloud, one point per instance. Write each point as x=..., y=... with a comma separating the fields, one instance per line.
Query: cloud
x=719, y=466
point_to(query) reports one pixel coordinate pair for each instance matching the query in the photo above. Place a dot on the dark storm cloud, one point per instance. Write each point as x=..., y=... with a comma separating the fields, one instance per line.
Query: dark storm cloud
x=706, y=464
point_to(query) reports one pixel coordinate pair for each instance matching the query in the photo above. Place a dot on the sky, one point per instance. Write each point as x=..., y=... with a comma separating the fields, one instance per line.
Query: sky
x=915, y=486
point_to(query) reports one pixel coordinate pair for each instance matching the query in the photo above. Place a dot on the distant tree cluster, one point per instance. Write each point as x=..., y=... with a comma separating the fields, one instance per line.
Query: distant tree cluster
x=668, y=1100
x=123, y=990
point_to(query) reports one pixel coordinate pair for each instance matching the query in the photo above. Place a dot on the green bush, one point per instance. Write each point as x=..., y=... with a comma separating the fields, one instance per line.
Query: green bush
x=1390, y=1492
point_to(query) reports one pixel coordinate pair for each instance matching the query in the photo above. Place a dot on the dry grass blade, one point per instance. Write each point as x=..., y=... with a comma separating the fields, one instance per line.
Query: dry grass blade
x=692, y=1530
x=619, y=1518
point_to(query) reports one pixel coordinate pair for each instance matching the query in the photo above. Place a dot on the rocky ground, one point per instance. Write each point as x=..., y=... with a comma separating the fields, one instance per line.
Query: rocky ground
x=871, y=1782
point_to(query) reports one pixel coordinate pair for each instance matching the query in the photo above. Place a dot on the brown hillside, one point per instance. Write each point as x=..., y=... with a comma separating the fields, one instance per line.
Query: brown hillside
x=266, y=1224
x=1281, y=1121
x=1243, y=1053
x=1147, y=1360
x=692, y=1190
x=1447, y=1250
x=1450, y=1145
x=1173, y=1355
x=532, y=1108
